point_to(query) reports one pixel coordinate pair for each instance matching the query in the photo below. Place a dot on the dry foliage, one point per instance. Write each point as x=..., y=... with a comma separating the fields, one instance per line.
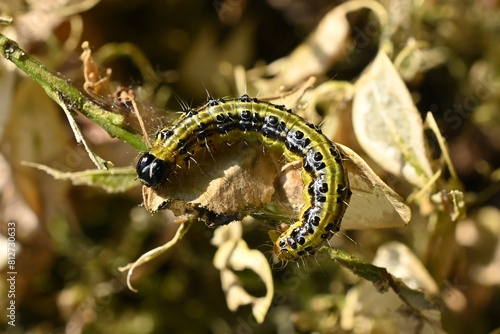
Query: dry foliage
x=377, y=77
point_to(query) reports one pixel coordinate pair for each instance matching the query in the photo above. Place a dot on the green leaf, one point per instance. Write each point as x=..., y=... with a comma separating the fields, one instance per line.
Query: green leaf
x=117, y=179
x=382, y=279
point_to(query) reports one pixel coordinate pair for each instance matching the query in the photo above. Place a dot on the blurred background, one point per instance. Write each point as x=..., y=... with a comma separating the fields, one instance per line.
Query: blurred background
x=72, y=239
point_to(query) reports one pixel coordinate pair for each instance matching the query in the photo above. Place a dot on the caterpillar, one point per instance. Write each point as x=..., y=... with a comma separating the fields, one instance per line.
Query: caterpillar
x=326, y=190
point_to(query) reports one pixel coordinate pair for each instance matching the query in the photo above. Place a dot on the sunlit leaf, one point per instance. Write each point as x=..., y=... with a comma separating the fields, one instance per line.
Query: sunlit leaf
x=387, y=123
x=373, y=203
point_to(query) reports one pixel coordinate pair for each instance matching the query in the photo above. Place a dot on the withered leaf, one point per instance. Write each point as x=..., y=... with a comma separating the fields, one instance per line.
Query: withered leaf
x=233, y=255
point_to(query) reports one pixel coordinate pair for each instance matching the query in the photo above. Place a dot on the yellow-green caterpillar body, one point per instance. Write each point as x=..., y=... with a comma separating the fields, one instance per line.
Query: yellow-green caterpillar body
x=326, y=186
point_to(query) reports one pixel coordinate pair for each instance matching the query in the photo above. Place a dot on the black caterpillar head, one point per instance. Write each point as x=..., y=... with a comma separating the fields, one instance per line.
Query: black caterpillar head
x=152, y=171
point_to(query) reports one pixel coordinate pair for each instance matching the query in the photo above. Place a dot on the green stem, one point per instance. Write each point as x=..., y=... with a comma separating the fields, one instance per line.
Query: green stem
x=68, y=96
x=381, y=278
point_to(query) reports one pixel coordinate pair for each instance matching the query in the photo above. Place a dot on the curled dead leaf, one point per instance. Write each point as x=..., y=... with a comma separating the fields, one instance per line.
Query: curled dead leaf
x=238, y=179
x=152, y=254
x=233, y=255
x=95, y=84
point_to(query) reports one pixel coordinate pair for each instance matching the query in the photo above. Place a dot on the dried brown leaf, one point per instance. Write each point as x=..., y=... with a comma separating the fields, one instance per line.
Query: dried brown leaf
x=239, y=180
x=95, y=84
x=233, y=255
